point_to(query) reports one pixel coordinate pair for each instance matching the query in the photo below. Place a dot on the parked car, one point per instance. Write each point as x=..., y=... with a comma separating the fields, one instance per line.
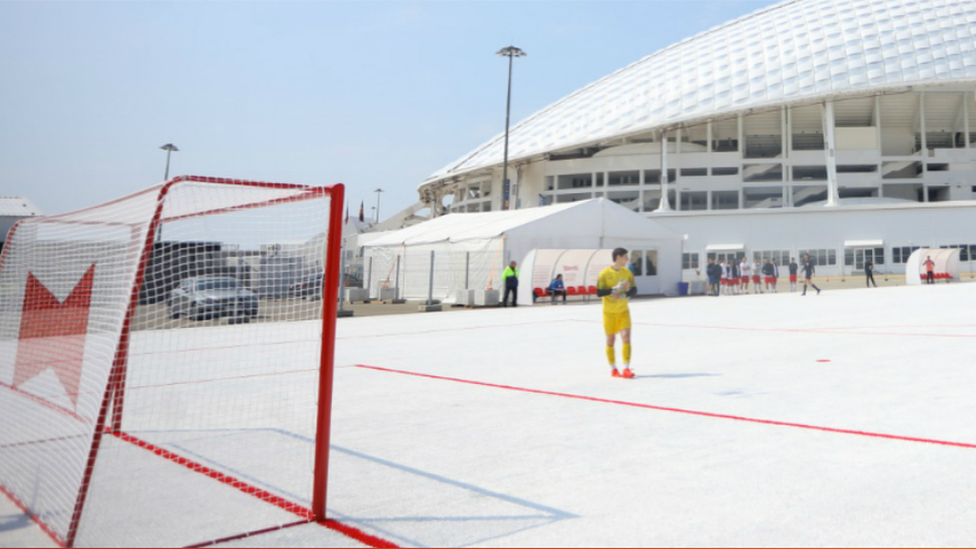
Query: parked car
x=202, y=297
x=308, y=286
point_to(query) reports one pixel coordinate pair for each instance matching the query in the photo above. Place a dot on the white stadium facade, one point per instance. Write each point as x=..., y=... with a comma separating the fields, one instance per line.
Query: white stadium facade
x=846, y=128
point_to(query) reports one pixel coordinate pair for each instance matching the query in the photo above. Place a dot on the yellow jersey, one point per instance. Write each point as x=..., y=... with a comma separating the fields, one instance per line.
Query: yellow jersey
x=608, y=279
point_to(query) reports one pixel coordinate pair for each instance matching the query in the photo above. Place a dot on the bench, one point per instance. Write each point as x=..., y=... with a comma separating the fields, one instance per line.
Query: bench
x=584, y=293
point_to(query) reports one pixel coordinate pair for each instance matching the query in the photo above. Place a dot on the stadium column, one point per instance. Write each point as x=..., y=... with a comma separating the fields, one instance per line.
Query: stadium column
x=665, y=205
x=827, y=109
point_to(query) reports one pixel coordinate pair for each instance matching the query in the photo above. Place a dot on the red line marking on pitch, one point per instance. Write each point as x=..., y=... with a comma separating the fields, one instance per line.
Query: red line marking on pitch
x=678, y=410
x=263, y=495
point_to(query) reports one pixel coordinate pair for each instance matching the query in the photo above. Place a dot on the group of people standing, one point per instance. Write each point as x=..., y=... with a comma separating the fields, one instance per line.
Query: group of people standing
x=732, y=277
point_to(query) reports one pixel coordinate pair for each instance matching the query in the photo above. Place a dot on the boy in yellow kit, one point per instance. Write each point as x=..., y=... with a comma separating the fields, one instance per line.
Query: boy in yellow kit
x=616, y=286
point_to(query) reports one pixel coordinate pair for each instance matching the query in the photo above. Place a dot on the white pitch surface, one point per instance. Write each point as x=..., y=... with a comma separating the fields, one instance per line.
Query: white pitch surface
x=422, y=461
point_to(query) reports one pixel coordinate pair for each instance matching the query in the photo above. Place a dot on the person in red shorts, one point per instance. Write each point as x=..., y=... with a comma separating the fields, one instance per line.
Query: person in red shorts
x=745, y=269
x=775, y=275
x=767, y=271
x=756, y=277
x=794, y=268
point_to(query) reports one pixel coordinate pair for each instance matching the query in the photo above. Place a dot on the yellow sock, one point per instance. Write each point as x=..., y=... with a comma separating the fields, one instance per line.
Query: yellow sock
x=611, y=355
x=626, y=353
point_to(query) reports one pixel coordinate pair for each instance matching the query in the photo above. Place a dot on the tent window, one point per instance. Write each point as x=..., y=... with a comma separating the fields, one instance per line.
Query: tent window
x=637, y=262
x=650, y=263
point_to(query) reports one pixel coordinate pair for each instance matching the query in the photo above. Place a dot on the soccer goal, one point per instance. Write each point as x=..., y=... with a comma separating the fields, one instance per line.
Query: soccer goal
x=166, y=363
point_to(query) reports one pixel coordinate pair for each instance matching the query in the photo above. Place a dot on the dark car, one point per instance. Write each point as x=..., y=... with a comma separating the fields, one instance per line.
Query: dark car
x=203, y=297
x=308, y=286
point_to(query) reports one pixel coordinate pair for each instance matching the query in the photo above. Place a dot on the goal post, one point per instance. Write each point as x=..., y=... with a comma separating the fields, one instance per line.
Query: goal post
x=166, y=362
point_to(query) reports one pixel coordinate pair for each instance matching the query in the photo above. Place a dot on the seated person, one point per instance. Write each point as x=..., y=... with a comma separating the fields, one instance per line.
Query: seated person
x=556, y=287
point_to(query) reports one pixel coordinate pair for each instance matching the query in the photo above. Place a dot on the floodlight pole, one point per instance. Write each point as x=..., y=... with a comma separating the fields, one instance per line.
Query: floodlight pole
x=169, y=148
x=378, y=191
x=509, y=52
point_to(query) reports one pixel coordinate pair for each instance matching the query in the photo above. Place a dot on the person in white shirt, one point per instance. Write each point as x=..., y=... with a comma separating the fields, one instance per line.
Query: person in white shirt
x=726, y=274
x=775, y=275
x=746, y=271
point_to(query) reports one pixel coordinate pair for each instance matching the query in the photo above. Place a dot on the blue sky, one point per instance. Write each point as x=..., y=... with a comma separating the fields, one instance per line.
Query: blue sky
x=370, y=94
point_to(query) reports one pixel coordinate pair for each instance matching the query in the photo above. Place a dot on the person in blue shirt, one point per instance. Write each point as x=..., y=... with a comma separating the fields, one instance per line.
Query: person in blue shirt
x=556, y=288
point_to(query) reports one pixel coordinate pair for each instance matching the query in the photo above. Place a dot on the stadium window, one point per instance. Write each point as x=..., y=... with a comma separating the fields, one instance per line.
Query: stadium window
x=725, y=200
x=762, y=197
x=735, y=171
x=821, y=257
x=900, y=254
x=624, y=178
x=689, y=261
x=781, y=257
x=719, y=257
x=762, y=172
x=694, y=172
x=694, y=201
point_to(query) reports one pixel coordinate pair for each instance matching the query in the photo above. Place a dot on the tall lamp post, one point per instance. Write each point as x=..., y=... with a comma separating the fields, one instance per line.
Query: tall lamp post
x=169, y=148
x=378, y=191
x=509, y=52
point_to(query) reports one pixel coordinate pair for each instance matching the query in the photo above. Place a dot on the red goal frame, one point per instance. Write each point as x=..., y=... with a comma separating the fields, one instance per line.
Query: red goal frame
x=114, y=397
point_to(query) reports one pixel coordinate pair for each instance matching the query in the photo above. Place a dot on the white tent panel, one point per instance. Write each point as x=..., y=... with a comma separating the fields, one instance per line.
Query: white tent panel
x=472, y=250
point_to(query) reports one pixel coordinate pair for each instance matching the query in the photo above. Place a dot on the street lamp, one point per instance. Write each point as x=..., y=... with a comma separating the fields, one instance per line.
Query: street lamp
x=169, y=148
x=378, y=191
x=509, y=52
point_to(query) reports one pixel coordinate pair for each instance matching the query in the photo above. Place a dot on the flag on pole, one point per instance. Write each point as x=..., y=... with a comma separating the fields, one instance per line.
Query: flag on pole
x=347, y=213
x=361, y=217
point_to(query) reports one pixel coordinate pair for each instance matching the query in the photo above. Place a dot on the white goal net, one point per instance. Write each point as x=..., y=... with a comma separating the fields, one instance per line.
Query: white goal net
x=165, y=363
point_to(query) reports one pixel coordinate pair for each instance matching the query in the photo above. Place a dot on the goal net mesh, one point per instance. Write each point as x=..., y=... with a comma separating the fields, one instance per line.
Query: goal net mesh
x=176, y=403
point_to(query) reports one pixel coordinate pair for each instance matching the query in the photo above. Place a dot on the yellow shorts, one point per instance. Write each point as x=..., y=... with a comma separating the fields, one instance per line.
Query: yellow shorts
x=614, y=322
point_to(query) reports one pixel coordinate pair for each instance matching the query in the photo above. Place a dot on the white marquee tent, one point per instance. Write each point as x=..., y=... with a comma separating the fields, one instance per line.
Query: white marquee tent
x=470, y=250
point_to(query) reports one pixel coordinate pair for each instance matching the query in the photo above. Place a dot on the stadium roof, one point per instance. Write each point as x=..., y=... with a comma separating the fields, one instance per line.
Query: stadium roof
x=792, y=52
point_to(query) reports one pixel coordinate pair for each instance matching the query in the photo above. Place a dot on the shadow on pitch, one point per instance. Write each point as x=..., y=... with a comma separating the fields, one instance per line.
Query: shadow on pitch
x=406, y=505
x=466, y=514
x=9, y=523
x=674, y=376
